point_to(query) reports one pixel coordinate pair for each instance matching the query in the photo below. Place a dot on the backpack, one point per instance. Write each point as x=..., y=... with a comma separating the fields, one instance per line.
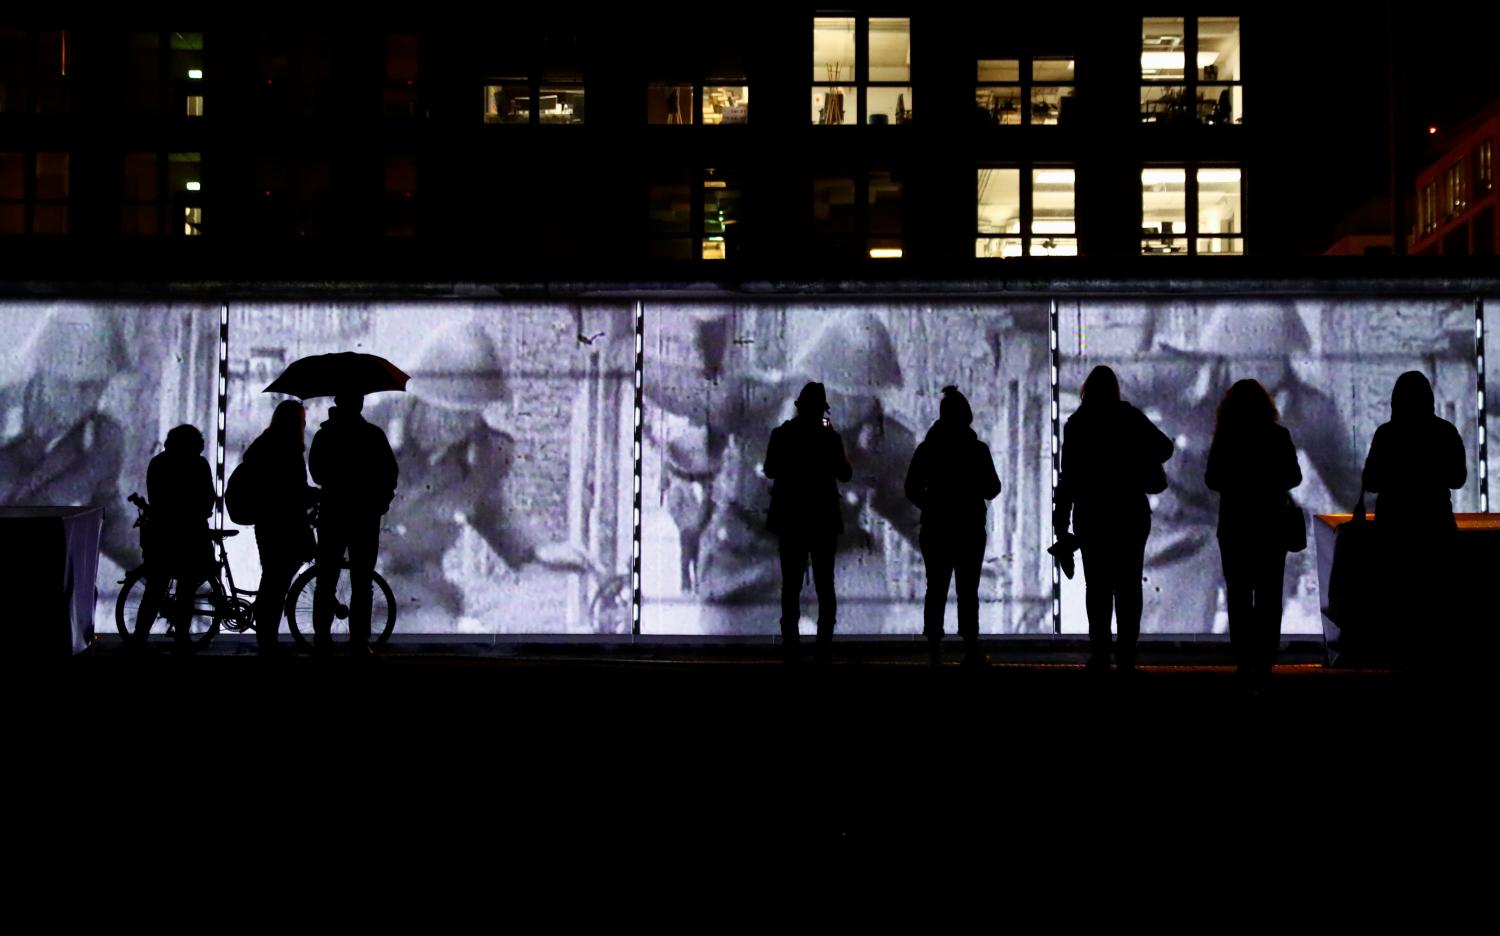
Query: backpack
x=242, y=495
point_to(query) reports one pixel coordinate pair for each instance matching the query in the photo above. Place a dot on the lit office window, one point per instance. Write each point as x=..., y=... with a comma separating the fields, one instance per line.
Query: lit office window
x=165, y=68
x=1163, y=49
x=1220, y=205
x=999, y=222
x=726, y=101
x=722, y=100
x=560, y=98
x=185, y=74
x=888, y=98
x=1051, y=90
x=834, y=98
x=723, y=196
x=1427, y=213
x=1054, y=228
x=1164, y=211
x=885, y=196
x=507, y=101
x=185, y=185
x=841, y=93
x=1211, y=90
x=403, y=69
x=1220, y=96
x=714, y=197
x=1484, y=168
x=140, y=195
x=997, y=98
x=1455, y=190
x=1038, y=221
x=669, y=103
x=1163, y=69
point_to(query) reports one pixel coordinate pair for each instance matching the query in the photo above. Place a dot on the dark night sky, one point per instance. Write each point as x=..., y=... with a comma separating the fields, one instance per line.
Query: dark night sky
x=1327, y=81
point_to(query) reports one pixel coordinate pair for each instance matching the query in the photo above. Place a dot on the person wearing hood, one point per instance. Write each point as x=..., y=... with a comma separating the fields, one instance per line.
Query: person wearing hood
x=282, y=532
x=805, y=459
x=1416, y=460
x=1112, y=455
x=351, y=460
x=180, y=489
x=951, y=477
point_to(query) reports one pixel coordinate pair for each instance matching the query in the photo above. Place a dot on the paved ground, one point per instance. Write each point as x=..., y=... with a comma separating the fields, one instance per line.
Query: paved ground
x=430, y=748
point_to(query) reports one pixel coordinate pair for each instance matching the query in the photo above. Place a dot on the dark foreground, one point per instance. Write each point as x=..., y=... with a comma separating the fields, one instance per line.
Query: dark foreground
x=426, y=754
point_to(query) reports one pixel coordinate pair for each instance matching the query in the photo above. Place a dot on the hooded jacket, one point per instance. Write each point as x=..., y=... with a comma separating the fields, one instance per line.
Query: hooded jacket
x=951, y=476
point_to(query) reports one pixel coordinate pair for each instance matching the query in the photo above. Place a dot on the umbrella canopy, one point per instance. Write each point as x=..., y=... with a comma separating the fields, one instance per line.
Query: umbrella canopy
x=332, y=374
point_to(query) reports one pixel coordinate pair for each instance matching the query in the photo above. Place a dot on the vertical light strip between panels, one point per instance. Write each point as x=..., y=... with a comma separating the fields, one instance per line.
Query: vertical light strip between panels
x=222, y=408
x=1056, y=460
x=635, y=536
x=1484, y=462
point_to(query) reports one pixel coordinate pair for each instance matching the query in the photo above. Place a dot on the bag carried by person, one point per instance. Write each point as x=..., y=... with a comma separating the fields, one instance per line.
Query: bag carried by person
x=242, y=495
x=1154, y=477
x=1353, y=600
x=1293, y=526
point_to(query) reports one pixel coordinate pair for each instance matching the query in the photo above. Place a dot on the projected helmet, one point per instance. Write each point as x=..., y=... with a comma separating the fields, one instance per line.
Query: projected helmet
x=1255, y=329
x=852, y=354
x=78, y=344
x=459, y=369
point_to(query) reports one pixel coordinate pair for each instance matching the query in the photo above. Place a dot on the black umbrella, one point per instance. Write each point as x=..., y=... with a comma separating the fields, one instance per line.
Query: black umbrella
x=333, y=374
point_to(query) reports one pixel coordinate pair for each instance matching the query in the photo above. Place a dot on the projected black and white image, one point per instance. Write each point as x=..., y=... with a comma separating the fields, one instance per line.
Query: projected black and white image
x=1329, y=364
x=514, y=444
x=720, y=377
x=88, y=391
x=1492, y=399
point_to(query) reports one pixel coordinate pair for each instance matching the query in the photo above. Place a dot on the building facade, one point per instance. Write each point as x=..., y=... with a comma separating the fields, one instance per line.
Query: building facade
x=482, y=146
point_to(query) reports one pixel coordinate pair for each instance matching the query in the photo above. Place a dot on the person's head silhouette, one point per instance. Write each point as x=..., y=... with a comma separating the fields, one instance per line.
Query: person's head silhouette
x=1101, y=387
x=1412, y=398
x=955, y=408
x=289, y=421
x=184, y=441
x=812, y=402
x=1246, y=404
x=350, y=403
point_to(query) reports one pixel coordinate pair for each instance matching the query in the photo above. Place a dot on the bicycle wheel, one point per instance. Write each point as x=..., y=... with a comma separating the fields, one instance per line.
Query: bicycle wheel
x=203, y=623
x=128, y=609
x=299, y=608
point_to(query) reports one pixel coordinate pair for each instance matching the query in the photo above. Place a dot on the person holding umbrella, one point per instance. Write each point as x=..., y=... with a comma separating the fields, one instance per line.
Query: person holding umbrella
x=351, y=460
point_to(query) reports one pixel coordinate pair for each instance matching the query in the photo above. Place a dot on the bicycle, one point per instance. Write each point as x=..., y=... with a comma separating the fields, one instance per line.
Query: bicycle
x=212, y=606
x=299, y=607
x=220, y=605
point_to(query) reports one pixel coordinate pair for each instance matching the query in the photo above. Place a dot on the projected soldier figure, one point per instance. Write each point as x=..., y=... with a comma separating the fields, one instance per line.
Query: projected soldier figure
x=454, y=471
x=717, y=495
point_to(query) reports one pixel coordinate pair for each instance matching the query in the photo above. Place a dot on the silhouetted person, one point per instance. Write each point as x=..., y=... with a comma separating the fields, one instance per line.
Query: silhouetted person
x=1111, y=455
x=180, y=488
x=950, y=478
x=1252, y=464
x=351, y=461
x=1415, y=460
x=805, y=458
x=282, y=532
